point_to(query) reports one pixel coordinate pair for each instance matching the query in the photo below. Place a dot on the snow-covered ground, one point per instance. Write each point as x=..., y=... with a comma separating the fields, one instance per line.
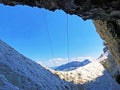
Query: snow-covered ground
x=104, y=56
x=92, y=76
x=20, y=73
x=6, y=85
x=17, y=71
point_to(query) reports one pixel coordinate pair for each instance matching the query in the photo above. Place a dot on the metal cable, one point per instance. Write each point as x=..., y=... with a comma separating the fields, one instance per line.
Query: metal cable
x=49, y=39
x=68, y=54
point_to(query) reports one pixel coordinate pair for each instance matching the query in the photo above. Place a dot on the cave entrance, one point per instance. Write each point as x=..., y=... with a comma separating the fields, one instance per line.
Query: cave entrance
x=24, y=43
x=25, y=31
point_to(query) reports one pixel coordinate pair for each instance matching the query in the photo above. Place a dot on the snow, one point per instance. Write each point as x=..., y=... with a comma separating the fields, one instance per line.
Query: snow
x=6, y=85
x=93, y=76
x=72, y=65
x=104, y=56
x=27, y=74
x=55, y=62
x=20, y=73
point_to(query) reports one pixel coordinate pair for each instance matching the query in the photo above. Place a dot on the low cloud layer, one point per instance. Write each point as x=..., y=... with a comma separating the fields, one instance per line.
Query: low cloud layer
x=59, y=61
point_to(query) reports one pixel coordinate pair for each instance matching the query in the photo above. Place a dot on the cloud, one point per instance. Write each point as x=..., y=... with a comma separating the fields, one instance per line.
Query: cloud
x=59, y=61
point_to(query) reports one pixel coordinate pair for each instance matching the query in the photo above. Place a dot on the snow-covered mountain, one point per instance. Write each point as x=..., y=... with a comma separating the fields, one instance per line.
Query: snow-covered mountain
x=55, y=62
x=20, y=73
x=72, y=65
x=92, y=76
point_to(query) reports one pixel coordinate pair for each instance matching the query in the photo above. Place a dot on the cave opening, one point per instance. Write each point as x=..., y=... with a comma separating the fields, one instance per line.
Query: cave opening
x=29, y=35
x=27, y=30
x=108, y=30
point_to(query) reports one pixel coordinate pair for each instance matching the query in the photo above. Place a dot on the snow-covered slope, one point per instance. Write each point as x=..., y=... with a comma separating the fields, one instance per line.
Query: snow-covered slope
x=72, y=65
x=5, y=85
x=92, y=76
x=104, y=56
x=19, y=72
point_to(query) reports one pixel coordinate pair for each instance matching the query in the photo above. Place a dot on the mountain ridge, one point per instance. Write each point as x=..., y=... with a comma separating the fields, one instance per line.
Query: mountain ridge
x=72, y=65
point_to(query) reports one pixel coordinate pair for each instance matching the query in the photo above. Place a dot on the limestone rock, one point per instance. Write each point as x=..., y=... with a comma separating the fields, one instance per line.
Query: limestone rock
x=109, y=63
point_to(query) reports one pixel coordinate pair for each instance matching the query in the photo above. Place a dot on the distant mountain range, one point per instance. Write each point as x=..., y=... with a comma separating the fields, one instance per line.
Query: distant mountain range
x=72, y=65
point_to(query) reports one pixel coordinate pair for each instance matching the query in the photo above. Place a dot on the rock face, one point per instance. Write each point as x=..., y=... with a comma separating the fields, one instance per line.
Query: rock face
x=105, y=13
x=20, y=73
x=110, y=32
x=108, y=62
x=87, y=9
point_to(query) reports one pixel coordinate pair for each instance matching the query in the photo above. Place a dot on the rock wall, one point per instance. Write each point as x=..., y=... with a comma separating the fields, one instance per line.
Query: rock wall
x=109, y=64
x=87, y=9
x=109, y=31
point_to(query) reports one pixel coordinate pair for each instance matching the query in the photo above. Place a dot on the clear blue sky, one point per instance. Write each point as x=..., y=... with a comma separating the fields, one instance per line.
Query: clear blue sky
x=25, y=29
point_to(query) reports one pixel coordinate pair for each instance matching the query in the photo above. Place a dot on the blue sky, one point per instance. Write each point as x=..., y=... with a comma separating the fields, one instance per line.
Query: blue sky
x=25, y=29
